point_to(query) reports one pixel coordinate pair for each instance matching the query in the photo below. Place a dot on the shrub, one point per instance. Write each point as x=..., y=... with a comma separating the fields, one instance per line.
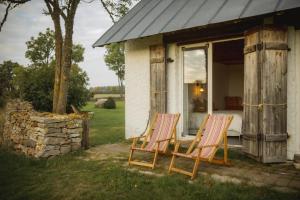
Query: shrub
x=109, y=103
x=35, y=84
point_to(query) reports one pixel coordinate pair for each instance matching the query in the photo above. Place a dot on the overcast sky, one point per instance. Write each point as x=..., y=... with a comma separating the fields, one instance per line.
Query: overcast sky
x=91, y=22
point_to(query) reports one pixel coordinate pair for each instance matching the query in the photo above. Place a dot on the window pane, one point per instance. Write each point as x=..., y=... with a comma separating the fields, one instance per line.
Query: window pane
x=194, y=66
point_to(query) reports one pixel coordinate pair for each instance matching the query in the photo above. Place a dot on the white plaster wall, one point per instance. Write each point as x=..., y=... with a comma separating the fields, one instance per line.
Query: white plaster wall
x=137, y=84
x=293, y=94
x=174, y=85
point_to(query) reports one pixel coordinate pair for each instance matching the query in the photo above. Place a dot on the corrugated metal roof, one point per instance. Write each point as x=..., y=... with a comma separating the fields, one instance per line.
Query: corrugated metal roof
x=151, y=17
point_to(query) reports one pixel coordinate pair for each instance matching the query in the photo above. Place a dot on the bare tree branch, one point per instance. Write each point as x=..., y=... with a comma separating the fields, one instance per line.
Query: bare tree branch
x=16, y=1
x=5, y=16
x=11, y=5
x=108, y=11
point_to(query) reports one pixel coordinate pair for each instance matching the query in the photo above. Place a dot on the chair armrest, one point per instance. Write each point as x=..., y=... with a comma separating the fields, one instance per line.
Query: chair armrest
x=206, y=146
x=185, y=141
x=158, y=141
x=137, y=137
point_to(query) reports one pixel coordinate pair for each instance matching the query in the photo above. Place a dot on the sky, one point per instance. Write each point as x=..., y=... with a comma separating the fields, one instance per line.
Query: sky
x=91, y=21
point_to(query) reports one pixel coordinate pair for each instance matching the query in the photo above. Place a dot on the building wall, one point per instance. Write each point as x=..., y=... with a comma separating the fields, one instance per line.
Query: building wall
x=293, y=93
x=137, y=76
x=137, y=84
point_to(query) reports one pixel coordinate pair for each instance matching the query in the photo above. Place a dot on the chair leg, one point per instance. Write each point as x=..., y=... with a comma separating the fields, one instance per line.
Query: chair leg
x=172, y=163
x=154, y=160
x=195, y=169
x=130, y=156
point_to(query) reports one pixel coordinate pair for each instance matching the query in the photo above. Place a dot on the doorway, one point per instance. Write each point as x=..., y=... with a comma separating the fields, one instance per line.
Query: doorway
x=228, y=84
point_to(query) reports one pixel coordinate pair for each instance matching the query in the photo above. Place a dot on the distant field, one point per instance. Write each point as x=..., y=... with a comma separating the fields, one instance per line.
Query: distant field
x=99, y=96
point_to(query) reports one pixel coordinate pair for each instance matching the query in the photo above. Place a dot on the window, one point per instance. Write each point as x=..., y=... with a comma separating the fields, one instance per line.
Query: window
x=195, y=70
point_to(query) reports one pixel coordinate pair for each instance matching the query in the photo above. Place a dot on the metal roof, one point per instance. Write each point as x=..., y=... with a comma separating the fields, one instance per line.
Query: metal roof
x=151, y=17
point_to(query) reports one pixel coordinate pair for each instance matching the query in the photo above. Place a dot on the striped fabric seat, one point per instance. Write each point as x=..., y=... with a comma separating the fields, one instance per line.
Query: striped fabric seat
x=212, y=131
x=212, y=135
x=163, y=129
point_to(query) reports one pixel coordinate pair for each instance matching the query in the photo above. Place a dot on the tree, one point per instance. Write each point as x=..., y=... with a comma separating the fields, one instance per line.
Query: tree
x=77, y=53
x=40, y=50
x=35, y=84
x=116, y=8
x=114, y=56
x=115, y=60
x=7, y=74
x=62, y=10
x=10, y=5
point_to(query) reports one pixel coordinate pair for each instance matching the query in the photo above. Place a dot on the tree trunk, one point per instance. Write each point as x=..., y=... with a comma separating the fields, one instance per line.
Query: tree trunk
x=58, y=60
x=63, y=51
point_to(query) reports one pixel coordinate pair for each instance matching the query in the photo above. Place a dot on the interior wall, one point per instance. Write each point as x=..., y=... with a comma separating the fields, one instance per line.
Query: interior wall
x=228, y=80
x=220, y=85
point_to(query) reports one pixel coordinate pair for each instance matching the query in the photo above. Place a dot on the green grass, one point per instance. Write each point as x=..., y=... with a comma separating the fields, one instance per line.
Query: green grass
x=107, y=125
x=70, y=177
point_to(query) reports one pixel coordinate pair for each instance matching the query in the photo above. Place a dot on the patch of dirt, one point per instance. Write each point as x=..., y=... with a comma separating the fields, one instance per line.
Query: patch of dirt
x=117, y=151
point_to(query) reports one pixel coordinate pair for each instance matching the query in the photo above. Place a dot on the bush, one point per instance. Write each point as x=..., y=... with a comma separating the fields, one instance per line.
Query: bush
x=109, y=103
x=35, y=84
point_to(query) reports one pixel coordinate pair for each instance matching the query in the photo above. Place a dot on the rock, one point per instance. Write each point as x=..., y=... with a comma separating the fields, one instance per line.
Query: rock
x=75, y=146
x=29, y=143
x=52, y=125
x=65, y=149
x=297, y=165
x=55, y=140
x=74, y=135
x=297, y=158
x=40, y=134
x=59, y=135
x=53, y=152
x=53, y=130
x=39, y=130
x=74, y=124
x=99, y=103
x=72, y=131
x=75, y=140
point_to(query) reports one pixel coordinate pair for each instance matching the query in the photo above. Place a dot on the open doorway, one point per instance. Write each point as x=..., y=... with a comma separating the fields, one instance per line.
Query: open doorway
x=228, y=84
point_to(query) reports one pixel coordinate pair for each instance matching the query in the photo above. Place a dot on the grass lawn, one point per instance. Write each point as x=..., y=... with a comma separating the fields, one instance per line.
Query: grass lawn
x=107, y=126
x=71, y=177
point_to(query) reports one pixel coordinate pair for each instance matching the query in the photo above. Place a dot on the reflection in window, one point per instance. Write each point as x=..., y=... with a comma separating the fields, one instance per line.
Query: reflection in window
x=195, y=87
x=194, y=66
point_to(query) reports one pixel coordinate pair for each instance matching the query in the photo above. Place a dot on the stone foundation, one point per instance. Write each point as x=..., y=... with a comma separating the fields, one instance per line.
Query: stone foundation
x=40, y=134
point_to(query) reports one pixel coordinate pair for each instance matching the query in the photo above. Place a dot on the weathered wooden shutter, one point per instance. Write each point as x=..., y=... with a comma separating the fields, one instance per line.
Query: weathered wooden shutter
x=157, y=79
x=265, y=97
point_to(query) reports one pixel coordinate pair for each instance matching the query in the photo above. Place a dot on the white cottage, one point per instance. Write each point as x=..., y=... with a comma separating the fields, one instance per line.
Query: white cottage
x=239, y=57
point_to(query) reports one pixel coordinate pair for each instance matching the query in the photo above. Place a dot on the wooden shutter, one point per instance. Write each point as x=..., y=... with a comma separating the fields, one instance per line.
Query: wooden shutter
x=157, y=79
x=265, y=94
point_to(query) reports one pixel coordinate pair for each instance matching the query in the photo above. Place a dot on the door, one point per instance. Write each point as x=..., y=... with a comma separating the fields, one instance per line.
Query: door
x=195, y=87
x=157, y=79
x=265, y=97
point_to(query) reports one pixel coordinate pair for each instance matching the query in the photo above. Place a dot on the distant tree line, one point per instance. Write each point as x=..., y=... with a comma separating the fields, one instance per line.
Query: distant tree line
x=106, y=90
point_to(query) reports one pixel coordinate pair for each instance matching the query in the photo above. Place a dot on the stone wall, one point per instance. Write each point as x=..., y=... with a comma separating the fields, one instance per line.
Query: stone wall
x=40, y=134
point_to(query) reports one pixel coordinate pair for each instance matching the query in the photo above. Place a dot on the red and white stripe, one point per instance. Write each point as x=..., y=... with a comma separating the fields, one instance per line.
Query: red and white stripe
x=163, y=130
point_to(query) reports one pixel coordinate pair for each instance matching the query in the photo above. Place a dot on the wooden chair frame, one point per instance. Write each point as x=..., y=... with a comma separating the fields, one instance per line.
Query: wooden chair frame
x=198, y=158
x=146, y=136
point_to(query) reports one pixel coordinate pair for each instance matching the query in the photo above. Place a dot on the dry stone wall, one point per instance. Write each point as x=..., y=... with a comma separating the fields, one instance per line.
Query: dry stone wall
x=41, y=134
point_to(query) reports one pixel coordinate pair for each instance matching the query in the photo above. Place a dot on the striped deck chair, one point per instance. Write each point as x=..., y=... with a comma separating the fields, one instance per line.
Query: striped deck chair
x=204, y=147
x=161, y=131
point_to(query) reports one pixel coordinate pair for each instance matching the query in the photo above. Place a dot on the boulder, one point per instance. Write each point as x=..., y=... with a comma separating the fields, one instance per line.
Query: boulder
x=100, y=102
